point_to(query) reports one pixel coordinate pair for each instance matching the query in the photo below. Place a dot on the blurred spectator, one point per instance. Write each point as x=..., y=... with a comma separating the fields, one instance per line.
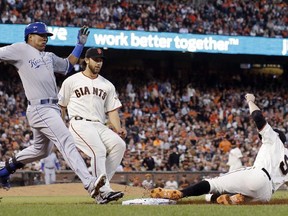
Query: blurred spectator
x=225, y=144
x=26, y=141
x=183, y=183
x=147, y=183
x=158, y=159
x=173, y=159
x=148, y=162
x=247, y=18
x=135, y=182
x=234, y=158
x=171, y=183
x=159, y=183
x=127, y=167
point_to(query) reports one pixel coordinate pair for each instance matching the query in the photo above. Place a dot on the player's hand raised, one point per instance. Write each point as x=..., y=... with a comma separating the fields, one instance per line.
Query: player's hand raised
x=250, y=97
x=83, y=35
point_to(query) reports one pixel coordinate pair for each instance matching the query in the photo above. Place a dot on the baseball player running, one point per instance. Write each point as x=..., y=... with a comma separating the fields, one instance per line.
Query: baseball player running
x=36, y=69
x=88, y=97
x=256, y=183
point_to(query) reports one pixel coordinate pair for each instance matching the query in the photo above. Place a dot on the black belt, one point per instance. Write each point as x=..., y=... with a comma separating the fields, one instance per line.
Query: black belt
x=49, y=168
x=80, y=118
x=265, y=171
x=43, y=101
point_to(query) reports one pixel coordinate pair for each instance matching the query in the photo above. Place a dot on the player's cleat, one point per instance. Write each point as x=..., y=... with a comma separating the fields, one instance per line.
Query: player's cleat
x=4, y=180
x=166, y=194
x=227, y=199
x=103, y=198
x=5, y=183
x=100, y=181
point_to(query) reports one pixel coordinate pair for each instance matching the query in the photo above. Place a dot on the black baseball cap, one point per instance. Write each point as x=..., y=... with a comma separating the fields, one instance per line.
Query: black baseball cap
x=94, y=53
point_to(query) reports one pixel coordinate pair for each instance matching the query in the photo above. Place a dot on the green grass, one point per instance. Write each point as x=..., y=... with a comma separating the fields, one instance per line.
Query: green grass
x=83, y=205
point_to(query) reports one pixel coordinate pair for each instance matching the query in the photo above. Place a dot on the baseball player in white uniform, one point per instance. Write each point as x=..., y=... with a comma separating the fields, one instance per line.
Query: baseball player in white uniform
x=234, y=158
x=49, y=165
x=36, y=69
x=256, y=183
x=89, y=97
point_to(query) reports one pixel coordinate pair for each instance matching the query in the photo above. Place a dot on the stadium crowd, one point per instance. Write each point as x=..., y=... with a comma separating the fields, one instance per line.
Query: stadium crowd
x=171, y=125
x=267, y=18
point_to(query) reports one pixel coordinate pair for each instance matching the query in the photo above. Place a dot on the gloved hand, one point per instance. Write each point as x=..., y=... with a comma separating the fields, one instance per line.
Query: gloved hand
x=166, y=193
x=250, y=97
x=82, y=35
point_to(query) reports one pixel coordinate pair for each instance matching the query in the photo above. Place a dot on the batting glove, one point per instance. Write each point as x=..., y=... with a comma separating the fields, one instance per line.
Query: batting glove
x=250, y=97
x=83, y=35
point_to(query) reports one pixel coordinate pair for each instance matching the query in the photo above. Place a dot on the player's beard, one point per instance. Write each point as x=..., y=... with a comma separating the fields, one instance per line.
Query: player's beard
x=95, y=70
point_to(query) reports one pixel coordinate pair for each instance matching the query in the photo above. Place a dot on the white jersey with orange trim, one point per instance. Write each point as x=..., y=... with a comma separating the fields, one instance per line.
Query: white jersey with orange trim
x=88, y=101
x=259, y=182
x=273, y=156
x=88, y=98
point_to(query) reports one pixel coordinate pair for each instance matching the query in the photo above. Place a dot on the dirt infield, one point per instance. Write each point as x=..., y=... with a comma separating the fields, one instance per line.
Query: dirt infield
x=68, y=189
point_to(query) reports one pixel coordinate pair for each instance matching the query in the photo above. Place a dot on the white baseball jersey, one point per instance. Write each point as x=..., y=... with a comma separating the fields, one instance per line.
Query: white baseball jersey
x=234, y=159
x=273, y=156
x=88, y=98
x=269, y=172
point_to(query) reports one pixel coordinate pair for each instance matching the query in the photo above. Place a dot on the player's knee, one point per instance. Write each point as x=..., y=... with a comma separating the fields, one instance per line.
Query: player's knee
x=121, y=146
x=118, y=144
x=258, y=119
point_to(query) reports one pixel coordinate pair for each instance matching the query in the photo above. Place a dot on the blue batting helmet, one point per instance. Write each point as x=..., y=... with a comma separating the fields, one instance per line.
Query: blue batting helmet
x=36, y=28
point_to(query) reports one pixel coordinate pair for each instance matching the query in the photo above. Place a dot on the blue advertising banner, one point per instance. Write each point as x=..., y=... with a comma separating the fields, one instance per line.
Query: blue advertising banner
x=156, y=41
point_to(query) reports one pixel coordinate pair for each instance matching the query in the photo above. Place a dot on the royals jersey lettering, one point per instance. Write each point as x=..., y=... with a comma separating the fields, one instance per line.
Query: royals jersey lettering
x=36, y=69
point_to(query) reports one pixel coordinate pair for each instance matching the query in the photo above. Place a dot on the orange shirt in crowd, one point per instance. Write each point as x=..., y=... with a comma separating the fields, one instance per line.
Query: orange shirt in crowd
x=157, y=142
x=225, y=145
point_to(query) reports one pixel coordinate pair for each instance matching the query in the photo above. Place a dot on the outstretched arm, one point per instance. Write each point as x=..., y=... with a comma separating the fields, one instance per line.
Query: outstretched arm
x=250, y=98
x=81, y=40
x=255, y=112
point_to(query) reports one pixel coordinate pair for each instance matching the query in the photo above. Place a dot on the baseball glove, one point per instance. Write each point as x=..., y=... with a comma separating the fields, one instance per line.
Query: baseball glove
x=166, y=194
x=227, y=199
